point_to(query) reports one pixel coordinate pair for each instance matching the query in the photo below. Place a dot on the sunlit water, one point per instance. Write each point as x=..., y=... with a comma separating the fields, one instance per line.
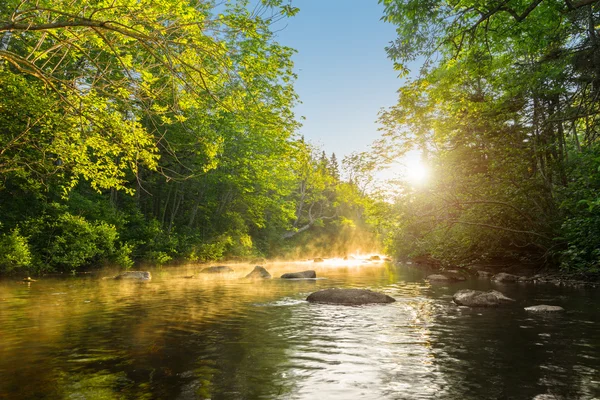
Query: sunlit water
x=222, y=337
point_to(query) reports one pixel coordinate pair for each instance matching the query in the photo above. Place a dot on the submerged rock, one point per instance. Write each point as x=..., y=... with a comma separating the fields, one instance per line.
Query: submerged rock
x=220, y=269
x=348, y=297
x=135, y=275
x=544, y=308
x=445, y=278
x=503, y=277
x=437, y=278
x=525, y=279
x=477, y=298
x=300, y=275
x=259, y=273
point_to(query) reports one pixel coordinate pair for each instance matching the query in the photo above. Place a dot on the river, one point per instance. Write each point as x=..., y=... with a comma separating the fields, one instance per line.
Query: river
x=223, y=337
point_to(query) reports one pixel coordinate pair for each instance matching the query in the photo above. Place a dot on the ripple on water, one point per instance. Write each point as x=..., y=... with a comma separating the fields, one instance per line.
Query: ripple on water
x=227, y=338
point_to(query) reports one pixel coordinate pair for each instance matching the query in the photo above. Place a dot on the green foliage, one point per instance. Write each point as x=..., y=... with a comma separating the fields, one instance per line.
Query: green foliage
x=157, y=131
x=211, y=251
x=504, y=116
x=578, y=247
x=75, y=242
x=14, y=252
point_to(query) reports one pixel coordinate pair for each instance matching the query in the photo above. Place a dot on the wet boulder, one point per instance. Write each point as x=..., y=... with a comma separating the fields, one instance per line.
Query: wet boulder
x=259, y=273
x=374, y=258
x=544, y=308
x=135, y=275
x=350, y=297
x=503, y=277
x=220, y=269
x=310, y=274
x=484, y=274
x=477, y=298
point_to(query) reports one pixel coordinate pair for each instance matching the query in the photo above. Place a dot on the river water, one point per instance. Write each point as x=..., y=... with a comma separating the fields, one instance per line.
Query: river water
x=222, y=337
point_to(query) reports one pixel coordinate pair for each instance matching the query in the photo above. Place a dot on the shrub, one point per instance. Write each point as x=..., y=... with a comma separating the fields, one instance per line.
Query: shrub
x=14, y=251
x=76, y=242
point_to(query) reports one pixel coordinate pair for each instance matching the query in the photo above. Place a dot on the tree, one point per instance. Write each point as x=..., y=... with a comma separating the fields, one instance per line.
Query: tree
x=504, y=103
x=107, y=65
x=187, y=105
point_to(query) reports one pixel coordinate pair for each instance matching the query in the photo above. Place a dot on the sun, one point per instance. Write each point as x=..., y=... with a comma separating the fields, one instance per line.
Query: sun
x=416, y=172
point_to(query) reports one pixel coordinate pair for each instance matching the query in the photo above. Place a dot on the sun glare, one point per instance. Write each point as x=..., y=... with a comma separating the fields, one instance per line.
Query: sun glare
x=416, y=172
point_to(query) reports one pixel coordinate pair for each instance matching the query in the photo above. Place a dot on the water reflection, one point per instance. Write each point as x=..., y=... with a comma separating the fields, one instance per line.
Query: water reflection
x=223, y=337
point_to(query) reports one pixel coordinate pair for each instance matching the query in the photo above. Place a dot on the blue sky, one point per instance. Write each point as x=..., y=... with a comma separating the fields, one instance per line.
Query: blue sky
x=344, y=75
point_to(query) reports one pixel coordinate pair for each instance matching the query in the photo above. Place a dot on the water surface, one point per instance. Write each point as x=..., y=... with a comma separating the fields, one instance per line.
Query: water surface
x=222, y=337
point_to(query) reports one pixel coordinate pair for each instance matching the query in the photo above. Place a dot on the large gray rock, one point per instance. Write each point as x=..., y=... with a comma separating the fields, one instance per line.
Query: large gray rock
x=503, y=277
x=220, y=269
x=300, y=275
x=350, y=297
x=477, y=298
x=543, y=308
x=135, y=275
x=259, y=273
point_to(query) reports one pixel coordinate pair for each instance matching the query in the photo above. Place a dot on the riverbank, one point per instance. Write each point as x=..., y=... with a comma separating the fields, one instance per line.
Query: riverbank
x=524, y=273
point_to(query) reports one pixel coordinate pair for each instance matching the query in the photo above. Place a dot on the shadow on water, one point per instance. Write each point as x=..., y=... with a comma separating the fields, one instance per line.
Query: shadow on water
x=223, y=337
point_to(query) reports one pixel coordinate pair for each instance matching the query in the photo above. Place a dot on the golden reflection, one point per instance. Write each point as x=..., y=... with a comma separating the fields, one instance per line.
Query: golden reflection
x=100, y=327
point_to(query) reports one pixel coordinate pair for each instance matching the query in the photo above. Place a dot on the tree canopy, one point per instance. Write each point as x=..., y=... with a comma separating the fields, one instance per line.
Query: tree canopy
x=505, y=111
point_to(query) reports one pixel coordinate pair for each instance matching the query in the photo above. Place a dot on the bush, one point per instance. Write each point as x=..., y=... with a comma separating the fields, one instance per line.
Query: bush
x=76, y=242
x=211, y=251
x=14, y=252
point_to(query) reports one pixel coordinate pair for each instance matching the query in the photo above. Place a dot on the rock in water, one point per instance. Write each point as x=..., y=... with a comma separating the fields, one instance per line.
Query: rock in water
x=350, y=297
x=543, y=308
x=221, y=269
x=135, y=275
x=318, y=259
x=300, y=275
x=374, y=258
x=259, y=273
x=503, y=277
x=437, y=277
x=444, y=278
x=477, y=298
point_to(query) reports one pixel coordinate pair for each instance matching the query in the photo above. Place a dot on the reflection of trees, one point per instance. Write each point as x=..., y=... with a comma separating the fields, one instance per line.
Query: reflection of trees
x=107, y=339
x=504, y=354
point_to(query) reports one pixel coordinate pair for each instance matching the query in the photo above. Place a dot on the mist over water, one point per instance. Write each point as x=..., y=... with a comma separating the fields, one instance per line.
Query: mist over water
x=224, y=337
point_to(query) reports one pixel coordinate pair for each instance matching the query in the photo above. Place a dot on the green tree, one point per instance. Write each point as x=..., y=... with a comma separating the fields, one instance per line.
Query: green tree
x=504, y=102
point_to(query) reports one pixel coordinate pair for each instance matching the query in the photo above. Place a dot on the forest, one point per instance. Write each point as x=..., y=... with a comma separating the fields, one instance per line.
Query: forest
x=163, y=131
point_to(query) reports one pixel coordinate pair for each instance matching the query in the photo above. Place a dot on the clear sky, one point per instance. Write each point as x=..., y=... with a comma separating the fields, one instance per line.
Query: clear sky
x=344, y=75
